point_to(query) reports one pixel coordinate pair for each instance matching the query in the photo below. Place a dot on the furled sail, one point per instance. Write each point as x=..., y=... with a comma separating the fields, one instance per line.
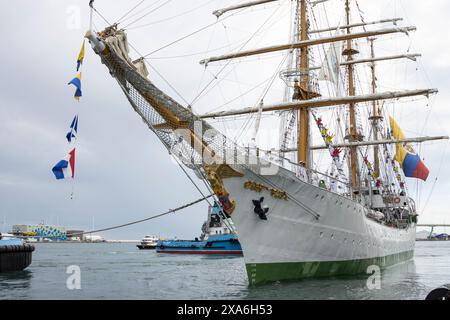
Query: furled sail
x=141, y=67
x=330, y=70
x=119, y=44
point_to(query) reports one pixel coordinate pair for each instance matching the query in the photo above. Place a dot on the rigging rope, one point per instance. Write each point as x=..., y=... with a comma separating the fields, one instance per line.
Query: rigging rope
x=126, y=14
x=160, y=75
x=137, y=221
x=101, y=16
x=435, y=180
x=199, y=53
x=148, y=13
x=154, y=3
x=252, y=118
x=187, y=36
x=190, y=178
x=257, y=86
x=172, y=17
x=229, y=61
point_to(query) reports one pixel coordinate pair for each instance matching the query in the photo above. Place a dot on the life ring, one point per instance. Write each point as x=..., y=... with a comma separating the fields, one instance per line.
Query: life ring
x=397, y=200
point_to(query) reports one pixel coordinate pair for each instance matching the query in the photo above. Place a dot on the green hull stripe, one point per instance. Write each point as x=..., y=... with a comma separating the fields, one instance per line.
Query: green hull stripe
x=269, y=272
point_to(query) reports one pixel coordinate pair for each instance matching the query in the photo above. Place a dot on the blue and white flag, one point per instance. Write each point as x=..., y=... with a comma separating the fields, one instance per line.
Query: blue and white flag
x=73, y=130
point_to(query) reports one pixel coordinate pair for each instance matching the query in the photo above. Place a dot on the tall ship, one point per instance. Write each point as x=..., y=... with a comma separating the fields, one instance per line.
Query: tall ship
x=331, y=198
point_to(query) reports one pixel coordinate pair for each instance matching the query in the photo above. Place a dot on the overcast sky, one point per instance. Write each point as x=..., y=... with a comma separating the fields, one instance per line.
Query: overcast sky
x=123, y=172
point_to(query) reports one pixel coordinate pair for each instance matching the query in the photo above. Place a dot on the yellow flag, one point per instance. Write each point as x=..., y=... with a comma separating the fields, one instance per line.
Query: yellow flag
x=398, y=134
x=80, y=57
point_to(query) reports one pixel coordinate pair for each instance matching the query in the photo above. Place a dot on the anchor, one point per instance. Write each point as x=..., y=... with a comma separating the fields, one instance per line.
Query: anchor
x=259, y=210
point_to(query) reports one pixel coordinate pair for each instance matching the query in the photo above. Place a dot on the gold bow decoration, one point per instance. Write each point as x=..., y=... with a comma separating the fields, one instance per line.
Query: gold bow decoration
x=258, y=187
x=215, y=175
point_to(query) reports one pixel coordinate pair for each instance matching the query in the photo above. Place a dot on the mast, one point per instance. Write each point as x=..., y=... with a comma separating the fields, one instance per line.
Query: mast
x=375, y=113
x=303, y=124
x=353, y=136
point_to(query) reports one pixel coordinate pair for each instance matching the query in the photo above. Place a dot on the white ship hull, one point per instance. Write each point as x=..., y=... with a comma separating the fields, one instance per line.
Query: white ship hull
x=293, y=244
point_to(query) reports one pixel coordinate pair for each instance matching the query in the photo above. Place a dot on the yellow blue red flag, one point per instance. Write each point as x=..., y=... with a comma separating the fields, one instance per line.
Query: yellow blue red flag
x=409, y=160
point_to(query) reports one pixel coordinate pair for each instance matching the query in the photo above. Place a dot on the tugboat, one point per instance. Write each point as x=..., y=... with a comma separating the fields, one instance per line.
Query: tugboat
x=148, y=243
x=15, y=255
x=217, y=238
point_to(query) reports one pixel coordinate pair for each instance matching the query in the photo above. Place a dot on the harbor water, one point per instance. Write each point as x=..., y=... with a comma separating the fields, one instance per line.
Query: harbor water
x=120, y=271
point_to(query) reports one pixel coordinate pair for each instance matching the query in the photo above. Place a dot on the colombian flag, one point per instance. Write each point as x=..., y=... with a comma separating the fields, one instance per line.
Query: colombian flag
x=409, y=160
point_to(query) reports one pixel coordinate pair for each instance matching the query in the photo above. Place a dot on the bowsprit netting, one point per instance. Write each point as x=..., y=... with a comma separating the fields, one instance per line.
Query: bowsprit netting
x=169, y=120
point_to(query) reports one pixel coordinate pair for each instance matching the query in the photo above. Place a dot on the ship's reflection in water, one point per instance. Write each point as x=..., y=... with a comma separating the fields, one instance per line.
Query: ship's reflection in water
x=120, y=271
